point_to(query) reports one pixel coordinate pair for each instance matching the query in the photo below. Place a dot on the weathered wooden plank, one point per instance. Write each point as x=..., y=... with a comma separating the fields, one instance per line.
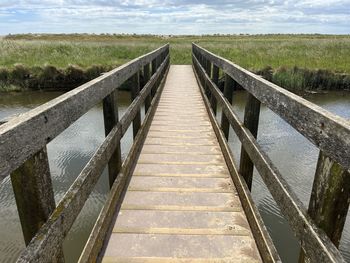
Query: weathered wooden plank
x=51, y=234
x=111, y=118
x=181, y=170
x=251, y=122
x=148, y=183
x=263, y=240
x=327, y=131
x=182, y=231
x=194, y=150
x=197, y=246
x=180, y=159
x=177, y=260
x=20, y=137
x=315, y=242
x=184, y=199
x=178, y=220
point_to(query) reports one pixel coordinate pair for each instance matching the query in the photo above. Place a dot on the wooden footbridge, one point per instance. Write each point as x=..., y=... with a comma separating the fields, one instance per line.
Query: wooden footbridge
x=179, y=195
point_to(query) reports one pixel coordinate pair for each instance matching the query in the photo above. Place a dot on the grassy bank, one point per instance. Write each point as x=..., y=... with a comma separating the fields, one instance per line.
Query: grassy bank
x=65, y=61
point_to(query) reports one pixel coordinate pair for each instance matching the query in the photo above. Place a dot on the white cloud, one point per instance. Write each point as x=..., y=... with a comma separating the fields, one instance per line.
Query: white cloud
x=175, y=16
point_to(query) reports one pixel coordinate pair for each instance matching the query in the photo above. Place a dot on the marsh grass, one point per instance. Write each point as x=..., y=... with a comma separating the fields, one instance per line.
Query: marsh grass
x=43, y=60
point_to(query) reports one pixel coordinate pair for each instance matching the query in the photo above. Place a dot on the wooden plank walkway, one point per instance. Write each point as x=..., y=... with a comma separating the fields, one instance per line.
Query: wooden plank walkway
x=181, y=205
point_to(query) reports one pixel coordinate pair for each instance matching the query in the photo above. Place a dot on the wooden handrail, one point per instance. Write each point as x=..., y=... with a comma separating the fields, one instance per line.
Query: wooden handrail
x=43, y=224
x=53, y=232
x=315, y=242
x=25, y=135
x=327, y=131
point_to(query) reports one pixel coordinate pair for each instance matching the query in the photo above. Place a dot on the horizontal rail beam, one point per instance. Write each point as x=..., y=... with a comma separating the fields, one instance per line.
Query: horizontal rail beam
x=327, y=131
x=52, y=233
x=23, y=136
x=316, y=243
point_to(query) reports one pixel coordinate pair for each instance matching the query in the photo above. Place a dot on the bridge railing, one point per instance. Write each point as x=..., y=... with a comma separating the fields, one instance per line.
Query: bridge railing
x=23, y=155
x=319, y=229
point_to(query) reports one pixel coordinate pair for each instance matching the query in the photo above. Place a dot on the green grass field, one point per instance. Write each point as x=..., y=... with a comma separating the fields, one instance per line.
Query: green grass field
x=255, y=52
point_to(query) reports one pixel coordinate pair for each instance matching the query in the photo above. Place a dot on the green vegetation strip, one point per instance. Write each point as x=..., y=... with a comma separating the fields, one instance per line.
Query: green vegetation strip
x=296, y=62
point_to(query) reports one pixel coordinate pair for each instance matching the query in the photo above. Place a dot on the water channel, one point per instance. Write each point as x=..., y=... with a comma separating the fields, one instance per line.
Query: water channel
x=293, y=155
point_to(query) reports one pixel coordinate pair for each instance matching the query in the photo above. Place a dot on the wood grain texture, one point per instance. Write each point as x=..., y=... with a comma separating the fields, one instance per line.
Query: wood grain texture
x=111, y=118
x=251, y=122
x=173, y=207
x=20, y=137
x=327, y=131
x=314, y=241
x=53, y=232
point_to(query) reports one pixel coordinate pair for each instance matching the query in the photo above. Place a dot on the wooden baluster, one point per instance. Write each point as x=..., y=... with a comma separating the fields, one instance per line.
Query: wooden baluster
x=208, y=70
x=146, y=74
x=251, y=122
x=34, y=195
x=202, y=62
x=159, y=62
x=228, y=93
x=154, y=70
x=111, y=118
x=215, y=79
x=135, y=90
x=330, y=199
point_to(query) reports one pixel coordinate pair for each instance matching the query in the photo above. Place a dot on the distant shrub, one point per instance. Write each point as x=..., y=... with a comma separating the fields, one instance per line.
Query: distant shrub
x=49, y=76
x=95, y=71
x=296, y=79
x=4, y=74
x=19, y=75
x=266, y=73
x=289, y=79
x=74, y=75
x=20, y=72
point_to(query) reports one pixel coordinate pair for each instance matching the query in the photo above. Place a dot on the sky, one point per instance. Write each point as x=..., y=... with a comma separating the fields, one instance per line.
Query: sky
x=175, y=16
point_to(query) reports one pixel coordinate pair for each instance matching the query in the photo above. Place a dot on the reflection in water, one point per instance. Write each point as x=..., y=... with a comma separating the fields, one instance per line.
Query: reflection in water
x=293, y=155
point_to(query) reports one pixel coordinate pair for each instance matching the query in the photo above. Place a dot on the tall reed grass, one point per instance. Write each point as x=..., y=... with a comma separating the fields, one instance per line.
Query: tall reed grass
x=294, y=61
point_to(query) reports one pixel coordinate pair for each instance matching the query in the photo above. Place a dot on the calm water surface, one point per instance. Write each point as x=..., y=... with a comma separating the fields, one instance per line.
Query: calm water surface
x=294, y=156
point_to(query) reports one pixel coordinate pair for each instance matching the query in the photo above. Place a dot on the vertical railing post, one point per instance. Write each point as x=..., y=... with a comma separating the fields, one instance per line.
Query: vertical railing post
x=34, y=195
x=202, y=77
x=228, y=93
x=158, y=62
x=111, y=118
x=135, y=90
x=330, y=199
x=215, y=78
x=154, y=70
x=251, y=122
x=146, y=74
x=208, y=70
